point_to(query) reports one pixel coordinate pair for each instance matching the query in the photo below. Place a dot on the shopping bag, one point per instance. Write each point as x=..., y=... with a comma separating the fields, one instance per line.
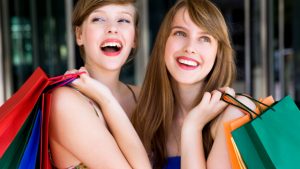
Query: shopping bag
x=30, y=156
x=21, y=122
x=45, y=160
x=271, y=140
x=15, y=110
x=12, y=156
x=235, y=158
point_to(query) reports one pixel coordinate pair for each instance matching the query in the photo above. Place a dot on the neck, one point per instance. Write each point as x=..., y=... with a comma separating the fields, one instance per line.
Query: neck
x=187, y=95
x=106, y=77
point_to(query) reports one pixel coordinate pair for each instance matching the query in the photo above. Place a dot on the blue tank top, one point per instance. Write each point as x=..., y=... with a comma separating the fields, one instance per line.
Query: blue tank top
x=173, y=163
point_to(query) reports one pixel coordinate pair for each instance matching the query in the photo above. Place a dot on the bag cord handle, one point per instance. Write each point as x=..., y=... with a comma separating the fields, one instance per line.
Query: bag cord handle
x=62, y=80
x=233, y=101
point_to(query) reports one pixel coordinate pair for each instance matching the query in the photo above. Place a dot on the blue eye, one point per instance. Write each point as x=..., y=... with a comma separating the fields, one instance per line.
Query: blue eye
x=98, y=19
x=124, y=21
x=180, y=33
x=205, y=39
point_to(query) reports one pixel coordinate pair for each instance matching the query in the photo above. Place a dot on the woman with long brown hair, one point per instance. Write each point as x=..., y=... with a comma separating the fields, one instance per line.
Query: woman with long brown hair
x=180, y=114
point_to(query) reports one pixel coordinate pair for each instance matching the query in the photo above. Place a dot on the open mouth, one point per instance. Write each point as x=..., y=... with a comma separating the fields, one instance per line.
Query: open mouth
x=111, y=48
x=188, y=62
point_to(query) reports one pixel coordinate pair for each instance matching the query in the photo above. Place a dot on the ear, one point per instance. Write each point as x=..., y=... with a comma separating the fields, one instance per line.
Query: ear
x=78, y=35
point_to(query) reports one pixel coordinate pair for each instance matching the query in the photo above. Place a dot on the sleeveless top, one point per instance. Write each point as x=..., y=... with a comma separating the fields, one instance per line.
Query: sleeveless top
x=173, y=163
x=81, y=165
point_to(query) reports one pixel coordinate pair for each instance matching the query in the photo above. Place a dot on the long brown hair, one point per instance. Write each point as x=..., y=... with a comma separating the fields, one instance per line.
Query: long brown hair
x=154, y=113
x=84, y=8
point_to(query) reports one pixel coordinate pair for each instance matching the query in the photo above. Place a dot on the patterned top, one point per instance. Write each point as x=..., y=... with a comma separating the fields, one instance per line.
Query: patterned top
x=79, y=166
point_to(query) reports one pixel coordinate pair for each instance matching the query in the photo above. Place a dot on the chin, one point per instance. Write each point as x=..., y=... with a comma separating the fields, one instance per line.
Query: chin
x=186, y=80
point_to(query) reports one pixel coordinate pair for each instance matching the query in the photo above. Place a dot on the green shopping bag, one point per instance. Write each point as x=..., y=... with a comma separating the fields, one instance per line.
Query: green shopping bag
x=272, y=139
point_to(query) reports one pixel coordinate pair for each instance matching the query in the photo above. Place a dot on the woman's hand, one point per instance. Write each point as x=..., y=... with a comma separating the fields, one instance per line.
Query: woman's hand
x=89, y=86
x=210, y=106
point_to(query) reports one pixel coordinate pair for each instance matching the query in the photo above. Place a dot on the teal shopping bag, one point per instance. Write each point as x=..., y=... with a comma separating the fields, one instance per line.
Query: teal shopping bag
x=271, y=140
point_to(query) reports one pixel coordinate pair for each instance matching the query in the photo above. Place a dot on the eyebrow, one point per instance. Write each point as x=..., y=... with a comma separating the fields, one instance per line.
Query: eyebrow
x=122, y=12
x=178, y=27
x=181, y=27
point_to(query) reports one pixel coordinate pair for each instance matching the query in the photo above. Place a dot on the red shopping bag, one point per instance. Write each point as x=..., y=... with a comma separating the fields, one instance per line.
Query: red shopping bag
x=15, y=111
x=45, y=160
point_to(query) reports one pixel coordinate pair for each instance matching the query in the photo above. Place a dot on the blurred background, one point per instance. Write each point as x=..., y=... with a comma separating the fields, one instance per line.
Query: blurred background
x=265, y=35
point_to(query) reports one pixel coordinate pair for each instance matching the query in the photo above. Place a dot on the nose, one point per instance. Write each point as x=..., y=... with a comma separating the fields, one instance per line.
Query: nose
x=190, y=48
x=112, y=29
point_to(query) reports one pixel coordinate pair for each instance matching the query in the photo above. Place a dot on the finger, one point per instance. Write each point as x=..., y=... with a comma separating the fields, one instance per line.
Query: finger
x=72, y=71
x=205, y=99
x=216, y=96
x=227, y=90
x=83, y=69
x=223, y=89
x=230, y=91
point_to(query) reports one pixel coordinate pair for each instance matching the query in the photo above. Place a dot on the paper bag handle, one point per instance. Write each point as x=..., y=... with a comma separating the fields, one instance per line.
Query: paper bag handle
x=233, y=101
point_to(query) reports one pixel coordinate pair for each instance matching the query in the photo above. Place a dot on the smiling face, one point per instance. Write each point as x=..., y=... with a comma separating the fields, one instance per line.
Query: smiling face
x=108, y=35
x=190, y=51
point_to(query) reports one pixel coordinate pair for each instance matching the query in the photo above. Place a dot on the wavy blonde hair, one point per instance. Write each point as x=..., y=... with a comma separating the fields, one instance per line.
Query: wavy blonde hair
x=154, y=113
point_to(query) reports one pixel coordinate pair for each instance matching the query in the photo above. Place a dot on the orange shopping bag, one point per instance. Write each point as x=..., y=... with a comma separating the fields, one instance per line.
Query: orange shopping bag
x=235, y=157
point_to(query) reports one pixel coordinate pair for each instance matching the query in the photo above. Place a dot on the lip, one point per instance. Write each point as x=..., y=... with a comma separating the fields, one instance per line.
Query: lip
x=111, y=54
x=186, y=67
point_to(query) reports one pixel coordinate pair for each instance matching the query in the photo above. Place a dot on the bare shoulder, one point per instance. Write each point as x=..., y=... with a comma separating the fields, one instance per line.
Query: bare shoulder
x=65, y=99
x=64, y=95
x=69, y=107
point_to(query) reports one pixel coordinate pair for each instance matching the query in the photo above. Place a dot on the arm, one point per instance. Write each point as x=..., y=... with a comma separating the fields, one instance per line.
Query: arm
x=192, y=150
x=75, y=127
x=117, y=120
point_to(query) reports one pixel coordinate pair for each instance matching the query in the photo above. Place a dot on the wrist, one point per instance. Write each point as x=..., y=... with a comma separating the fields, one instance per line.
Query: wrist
x=193, y=123
x=104, y=96
x=191, y=126
x=189, y=133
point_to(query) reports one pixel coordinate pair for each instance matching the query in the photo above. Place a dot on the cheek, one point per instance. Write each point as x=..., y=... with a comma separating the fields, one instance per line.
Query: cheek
x=210, y=52
x=90, y=35
x=210, y=62
x=129, y=34
x=171, y=47
x=168, y=54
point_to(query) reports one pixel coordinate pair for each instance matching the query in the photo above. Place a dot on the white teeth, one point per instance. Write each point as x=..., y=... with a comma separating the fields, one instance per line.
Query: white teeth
x=188, y=62
x=111, y=44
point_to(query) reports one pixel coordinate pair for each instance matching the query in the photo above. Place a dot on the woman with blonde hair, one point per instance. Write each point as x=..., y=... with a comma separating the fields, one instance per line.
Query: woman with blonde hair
x=86, y=133
x=180, y=114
